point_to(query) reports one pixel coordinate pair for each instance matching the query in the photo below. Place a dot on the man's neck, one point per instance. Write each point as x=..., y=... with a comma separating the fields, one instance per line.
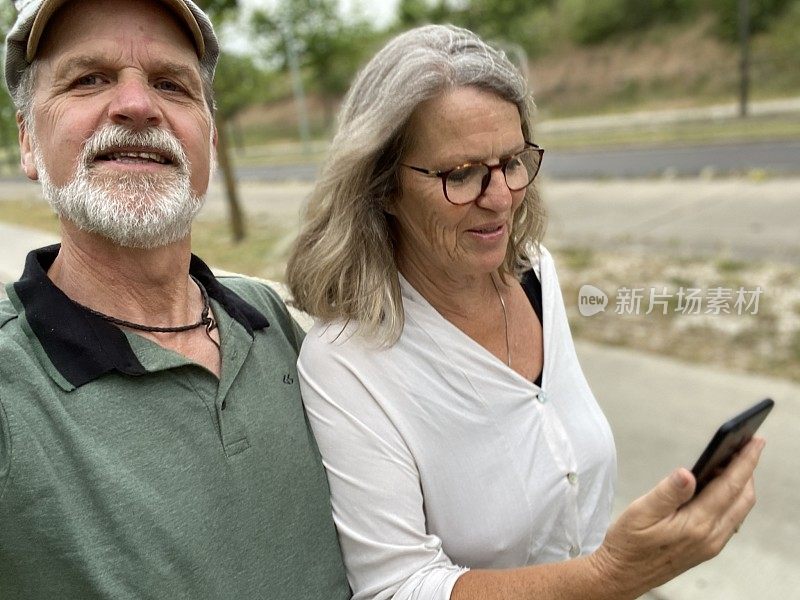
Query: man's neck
x=150, y=287
x=147, y=287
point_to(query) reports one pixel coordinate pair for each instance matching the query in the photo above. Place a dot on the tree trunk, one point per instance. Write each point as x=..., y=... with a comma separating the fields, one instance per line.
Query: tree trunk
x=231, y=191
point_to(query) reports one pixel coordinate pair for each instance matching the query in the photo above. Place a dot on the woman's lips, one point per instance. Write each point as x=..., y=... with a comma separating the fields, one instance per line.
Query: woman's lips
x=488, y=232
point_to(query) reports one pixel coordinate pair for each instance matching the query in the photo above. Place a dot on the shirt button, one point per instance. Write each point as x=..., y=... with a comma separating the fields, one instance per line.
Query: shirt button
x=574, y=551
x=572, y=477
x=541, y=397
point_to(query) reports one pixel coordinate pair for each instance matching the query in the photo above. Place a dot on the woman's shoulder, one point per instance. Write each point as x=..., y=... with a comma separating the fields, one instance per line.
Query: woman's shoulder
x=540, y=260
x=344, y=344
x=332, y=341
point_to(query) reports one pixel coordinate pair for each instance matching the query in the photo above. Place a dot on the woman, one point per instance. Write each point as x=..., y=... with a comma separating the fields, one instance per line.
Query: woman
x=466, y=455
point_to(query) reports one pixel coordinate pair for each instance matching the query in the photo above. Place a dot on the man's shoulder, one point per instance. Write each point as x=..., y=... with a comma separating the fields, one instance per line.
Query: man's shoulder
x=7, y=312
x=269, y=298
x=260, y=293
x=19, y=356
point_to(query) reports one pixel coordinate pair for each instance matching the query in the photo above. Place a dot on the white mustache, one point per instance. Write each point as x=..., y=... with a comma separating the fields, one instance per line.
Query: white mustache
x=114, y=137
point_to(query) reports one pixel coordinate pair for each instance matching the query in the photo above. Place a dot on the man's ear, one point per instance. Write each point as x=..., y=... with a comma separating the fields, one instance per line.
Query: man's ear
x=26, y=160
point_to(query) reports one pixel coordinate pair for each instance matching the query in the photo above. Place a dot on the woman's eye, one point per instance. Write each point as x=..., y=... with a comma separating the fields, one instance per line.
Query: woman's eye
x=464, y=175
x=514, y=163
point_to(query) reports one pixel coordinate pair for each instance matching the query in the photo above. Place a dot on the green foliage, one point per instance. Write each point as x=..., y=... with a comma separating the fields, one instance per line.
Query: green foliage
x=538, y=25
x=329, y=49
x=509, y=20
x=239, y=82
x=219, y=10
x=763, y=13
x=8, y=112
x=592, y=21
x=784, y=42
x=411, y=13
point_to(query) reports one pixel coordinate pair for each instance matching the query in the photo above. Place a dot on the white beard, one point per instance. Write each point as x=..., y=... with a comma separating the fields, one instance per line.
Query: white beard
x=133, y=210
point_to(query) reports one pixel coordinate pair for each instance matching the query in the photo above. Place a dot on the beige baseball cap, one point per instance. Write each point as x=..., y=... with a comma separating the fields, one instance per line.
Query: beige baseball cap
x=23, y=39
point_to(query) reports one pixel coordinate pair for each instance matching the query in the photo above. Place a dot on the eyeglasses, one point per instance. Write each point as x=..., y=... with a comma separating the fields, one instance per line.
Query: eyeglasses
x=466, y=183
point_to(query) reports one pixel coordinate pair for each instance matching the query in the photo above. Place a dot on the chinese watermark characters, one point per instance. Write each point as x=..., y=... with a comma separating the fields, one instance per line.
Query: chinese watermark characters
x=683, y=300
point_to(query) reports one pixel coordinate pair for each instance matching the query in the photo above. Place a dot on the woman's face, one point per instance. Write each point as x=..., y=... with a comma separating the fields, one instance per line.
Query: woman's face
x=438, y=239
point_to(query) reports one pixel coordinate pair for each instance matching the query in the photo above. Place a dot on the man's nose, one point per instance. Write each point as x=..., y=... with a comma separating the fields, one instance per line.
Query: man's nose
x=135, y=104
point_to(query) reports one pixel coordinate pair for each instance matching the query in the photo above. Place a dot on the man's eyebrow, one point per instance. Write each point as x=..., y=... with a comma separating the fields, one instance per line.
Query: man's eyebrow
x=172, y=69
x=178, y=70
x=77, y=63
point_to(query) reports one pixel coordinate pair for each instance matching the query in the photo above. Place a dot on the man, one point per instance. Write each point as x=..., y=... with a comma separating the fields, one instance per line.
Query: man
x=152, y=439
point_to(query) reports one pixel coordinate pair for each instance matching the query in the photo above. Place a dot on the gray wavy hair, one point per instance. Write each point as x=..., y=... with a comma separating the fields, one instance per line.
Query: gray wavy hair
x=342, y=265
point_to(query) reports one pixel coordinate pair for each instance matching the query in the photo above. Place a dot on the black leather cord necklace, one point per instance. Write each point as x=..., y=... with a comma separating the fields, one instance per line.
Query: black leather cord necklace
x=206, y=319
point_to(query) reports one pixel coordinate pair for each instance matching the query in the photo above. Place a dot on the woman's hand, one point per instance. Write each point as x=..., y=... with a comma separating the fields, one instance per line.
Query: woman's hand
x=666, y=531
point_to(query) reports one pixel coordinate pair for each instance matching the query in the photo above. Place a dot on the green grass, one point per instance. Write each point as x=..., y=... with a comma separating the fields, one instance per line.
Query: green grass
x=780, y=127
x=730, y=266
x=36, y=215
x=577, y=258
x=260, y=254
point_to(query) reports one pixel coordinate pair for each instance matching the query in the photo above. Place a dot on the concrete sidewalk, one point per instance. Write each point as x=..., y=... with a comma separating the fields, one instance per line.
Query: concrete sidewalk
x=663, y=412
x=15, y=243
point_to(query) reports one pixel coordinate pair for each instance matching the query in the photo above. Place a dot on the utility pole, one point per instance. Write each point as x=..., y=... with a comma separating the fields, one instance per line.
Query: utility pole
x=744, y=55
x=297, y=86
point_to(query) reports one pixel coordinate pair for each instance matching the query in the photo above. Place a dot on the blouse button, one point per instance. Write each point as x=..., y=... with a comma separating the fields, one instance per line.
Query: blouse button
x=541, y=397
x=574, y=551
x=572, y=477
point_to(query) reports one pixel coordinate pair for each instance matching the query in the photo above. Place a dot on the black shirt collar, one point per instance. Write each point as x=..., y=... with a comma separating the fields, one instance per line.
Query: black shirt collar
x=83, y=346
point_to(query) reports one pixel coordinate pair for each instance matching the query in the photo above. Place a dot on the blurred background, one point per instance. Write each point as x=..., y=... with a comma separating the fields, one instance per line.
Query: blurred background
x=672, y=171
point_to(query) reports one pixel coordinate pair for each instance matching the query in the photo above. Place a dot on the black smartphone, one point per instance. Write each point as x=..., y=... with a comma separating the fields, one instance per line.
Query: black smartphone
x=729, y=439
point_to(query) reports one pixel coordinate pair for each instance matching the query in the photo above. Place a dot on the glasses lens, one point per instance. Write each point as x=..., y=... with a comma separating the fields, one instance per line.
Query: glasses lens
x=521, y=169
x=464, y=183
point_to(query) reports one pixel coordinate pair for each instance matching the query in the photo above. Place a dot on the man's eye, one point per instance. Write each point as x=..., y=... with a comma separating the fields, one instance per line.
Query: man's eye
x=89, y=80
x=168, y=86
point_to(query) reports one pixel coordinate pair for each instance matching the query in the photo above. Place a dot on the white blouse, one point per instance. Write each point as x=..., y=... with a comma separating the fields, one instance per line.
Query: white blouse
x=441, y=458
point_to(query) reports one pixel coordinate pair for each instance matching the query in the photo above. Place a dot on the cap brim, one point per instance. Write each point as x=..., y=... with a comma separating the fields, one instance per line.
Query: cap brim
x=49, y=7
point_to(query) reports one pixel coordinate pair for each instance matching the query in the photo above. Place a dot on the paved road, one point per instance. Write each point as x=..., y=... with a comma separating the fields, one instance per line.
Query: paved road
x=773, y=157
x=663, y=412
x=732, y=218
x=780, y=157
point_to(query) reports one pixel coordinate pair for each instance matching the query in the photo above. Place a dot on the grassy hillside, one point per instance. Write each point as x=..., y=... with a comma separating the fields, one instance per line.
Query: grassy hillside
x=668, y=65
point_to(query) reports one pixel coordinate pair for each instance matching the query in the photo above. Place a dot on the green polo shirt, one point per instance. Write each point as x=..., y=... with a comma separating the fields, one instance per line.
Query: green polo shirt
x=128, y=471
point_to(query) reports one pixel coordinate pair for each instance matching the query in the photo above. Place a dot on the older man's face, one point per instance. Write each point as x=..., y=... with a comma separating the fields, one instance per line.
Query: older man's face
x=119, y=110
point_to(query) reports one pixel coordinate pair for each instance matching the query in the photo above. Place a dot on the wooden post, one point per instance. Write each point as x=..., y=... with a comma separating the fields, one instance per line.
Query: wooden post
x=229, y=177
x=744, y=56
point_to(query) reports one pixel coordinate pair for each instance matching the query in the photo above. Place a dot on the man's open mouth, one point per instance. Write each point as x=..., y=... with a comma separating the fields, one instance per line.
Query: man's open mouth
x=134, y=156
